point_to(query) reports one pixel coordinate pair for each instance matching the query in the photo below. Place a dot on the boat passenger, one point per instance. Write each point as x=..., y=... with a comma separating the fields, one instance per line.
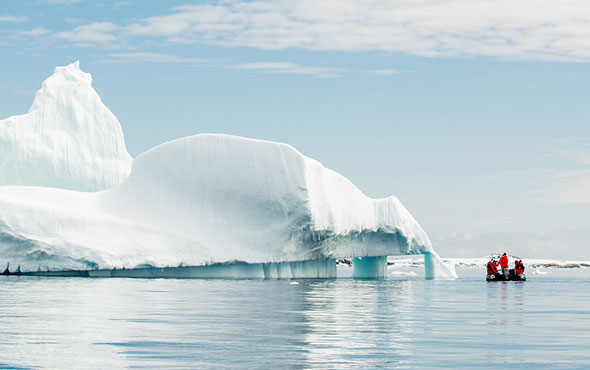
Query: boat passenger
x=491, y=267
x=504, y=264
x=519, y=267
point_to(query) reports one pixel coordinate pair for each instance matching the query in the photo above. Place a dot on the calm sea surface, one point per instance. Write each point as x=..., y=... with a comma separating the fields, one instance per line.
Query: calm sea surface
x=405, y=322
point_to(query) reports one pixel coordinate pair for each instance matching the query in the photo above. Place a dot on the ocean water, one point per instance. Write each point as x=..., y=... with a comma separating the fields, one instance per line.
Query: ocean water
x=404, y=322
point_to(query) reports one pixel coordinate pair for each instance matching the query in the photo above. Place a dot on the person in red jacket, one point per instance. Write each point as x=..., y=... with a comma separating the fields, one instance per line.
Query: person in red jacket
x=504, y=264
x=518, y=267
x=491, y=267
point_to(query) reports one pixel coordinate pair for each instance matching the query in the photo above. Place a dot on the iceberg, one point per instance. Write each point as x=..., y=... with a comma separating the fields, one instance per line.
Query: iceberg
x=209, y=205
x=68, y=139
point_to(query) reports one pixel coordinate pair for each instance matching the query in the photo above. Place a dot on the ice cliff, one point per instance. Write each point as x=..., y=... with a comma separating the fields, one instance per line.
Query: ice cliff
x=194, y=201
x=68, y=139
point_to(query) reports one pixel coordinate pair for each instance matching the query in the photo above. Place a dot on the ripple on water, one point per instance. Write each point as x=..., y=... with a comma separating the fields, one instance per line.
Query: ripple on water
x=409, y=323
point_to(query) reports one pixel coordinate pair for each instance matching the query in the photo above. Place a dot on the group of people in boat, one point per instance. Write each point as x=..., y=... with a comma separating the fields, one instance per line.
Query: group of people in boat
x=505, y=272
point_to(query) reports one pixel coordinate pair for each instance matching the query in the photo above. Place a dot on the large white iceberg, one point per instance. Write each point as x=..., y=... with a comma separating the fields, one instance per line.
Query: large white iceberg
x=68, y=139
x=243, y=207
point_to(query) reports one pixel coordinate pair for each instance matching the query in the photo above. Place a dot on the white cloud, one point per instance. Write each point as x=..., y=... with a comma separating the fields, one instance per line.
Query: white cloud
x=148, y=57
x=121, y=4
x=387, y=72
x=539, y=242
x=13, y=19
x=36, y=32
x=570, y=184
x=93, y=33
x=61, y=2
x=562, y=176
x=548, y=186
x=383, y=72
x=75, y=20
x=507, y=29
x=290, y=68
x=261, y=67
x=577, y=150
x=571, y=187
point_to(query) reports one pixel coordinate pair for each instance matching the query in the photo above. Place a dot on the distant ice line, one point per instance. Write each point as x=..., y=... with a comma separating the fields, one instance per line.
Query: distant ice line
x=481, y=262
x=199, y=200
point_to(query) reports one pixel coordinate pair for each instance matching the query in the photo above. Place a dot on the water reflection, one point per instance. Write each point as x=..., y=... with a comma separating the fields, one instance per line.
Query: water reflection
x=73, y=323
x=355, y=324
x=504, y=297
x=504, y=308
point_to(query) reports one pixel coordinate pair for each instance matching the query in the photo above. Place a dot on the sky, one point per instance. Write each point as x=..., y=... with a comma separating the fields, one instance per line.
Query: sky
x=475, y=114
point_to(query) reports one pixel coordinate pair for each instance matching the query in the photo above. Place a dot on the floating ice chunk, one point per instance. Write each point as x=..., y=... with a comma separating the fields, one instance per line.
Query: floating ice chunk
x=538, y=271
x=403, y=273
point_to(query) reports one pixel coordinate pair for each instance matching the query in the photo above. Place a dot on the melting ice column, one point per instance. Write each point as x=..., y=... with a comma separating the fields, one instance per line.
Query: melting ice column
x=395, y=232
x=369, y=267
x=376, y=267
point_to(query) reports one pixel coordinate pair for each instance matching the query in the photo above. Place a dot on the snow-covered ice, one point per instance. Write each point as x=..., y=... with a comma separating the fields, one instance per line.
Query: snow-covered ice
x=68, y=139
x=200, y=200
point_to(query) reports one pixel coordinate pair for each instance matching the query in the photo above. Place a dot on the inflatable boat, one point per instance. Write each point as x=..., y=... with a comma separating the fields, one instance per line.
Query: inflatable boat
x=512, y=276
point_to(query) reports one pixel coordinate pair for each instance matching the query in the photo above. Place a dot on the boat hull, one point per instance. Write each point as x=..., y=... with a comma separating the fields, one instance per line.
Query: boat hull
x=511, y=277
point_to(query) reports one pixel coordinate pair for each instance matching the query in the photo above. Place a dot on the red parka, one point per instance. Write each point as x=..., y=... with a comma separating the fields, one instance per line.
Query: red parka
x=518, y=267
x=504, y=261
x=492, y=269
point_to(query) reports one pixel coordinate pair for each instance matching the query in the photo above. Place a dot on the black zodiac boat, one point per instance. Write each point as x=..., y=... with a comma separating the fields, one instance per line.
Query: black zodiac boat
x=512, y=276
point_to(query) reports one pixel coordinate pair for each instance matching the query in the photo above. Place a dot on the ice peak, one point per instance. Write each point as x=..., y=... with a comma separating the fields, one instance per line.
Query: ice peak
x=64, y=85
x=72, y=72
x=68, y=139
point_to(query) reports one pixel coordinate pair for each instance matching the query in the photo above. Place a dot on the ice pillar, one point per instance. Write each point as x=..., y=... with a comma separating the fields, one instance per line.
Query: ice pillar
x=434, y=267
x=369, y=267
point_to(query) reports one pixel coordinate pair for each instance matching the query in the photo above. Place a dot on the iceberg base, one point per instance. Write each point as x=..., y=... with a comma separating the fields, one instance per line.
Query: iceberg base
x=311, y=269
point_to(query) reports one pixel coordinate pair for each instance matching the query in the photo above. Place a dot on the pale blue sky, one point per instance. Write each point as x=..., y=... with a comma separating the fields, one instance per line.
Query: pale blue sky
x=474, y=113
